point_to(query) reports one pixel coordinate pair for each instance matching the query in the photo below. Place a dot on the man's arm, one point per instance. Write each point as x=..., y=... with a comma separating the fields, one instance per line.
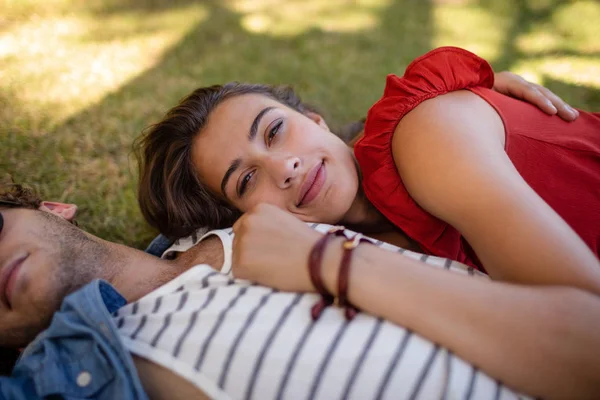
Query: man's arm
x=208, y=251
x=161, y=383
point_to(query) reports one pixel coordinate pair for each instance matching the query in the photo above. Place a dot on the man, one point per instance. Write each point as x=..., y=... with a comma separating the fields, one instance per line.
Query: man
x=44, y=258
x=130, y=323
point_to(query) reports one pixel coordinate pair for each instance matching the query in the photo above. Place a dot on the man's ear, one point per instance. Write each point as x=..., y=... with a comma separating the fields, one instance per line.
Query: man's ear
x=319, y=120
x=63, y=210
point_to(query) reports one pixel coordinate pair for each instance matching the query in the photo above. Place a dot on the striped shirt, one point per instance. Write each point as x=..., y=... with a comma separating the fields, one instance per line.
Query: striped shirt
x=237, y=340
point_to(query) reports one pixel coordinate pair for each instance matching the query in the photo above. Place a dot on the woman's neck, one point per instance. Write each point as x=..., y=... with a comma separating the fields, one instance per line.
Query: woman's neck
x=364, y=217
x=362, y=214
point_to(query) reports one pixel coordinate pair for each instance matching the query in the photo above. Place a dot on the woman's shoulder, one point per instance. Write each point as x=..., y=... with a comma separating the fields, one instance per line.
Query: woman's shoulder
x=444, y=69
x=438, y=72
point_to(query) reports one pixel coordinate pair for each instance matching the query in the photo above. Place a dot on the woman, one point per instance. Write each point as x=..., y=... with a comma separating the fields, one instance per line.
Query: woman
x=447, y=166
x=443, y=170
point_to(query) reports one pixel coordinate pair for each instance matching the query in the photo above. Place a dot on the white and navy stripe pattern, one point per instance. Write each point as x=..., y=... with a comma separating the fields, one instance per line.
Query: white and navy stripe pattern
x=226, y=237
x=237, y=340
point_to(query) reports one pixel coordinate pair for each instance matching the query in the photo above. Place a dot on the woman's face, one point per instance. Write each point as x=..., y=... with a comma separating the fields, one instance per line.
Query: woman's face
x=256, y=150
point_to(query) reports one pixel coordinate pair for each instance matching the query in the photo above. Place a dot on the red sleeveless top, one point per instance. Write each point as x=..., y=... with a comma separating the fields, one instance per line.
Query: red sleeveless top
x=560, y=160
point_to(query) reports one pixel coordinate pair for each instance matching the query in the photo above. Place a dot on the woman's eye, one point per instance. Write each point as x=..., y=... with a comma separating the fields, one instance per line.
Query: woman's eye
x=244, y=183
x=273, y=132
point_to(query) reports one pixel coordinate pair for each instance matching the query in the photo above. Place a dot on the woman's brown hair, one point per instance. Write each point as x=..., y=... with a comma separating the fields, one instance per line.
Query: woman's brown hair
x=171, y=197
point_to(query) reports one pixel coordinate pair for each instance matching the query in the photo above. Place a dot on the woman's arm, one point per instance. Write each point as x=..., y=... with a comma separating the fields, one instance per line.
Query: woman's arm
x=450, y=154
x=541, y=340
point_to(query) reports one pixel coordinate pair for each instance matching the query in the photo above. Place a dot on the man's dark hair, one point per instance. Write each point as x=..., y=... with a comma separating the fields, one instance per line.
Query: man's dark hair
x=18, y=196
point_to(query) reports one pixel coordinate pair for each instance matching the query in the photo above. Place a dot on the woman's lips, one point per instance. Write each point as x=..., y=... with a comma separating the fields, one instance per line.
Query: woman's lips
x=314, y=187
x=8, y=279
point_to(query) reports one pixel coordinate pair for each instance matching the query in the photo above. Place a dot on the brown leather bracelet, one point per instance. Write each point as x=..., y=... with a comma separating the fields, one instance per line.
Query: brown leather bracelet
x=314, y=269
x=344, y=275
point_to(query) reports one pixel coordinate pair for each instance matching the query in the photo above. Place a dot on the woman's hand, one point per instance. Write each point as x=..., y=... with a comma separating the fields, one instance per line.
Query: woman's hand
x=271, y=247
x=513, y=85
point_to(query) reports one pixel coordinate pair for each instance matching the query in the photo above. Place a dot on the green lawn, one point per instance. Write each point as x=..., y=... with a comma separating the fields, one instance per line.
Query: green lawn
x=79, y=79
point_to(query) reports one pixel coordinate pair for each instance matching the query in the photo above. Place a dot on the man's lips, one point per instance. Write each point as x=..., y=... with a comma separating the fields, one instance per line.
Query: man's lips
x=312, y=184
x=8, y=278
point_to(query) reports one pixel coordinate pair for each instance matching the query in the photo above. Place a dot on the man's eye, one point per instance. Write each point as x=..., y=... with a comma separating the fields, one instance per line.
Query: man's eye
x=273, y=132
x=245, y=181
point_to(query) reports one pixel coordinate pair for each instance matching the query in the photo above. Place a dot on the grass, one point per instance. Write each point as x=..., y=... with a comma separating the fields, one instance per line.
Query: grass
x=79, y=79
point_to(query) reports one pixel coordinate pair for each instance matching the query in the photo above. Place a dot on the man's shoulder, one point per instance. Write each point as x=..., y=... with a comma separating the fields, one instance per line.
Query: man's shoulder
x=82, y=335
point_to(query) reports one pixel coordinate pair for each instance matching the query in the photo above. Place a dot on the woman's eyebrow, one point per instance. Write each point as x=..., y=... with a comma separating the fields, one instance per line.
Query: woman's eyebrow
x=256, y=122
x=235, y=164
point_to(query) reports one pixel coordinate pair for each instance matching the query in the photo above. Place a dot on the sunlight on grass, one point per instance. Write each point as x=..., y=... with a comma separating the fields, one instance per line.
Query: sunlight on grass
x=53, y=67
x=575, y=70
x=14, y=10
x=294, y=17
x=579, y=23
x=473, y=27
x=572, y=28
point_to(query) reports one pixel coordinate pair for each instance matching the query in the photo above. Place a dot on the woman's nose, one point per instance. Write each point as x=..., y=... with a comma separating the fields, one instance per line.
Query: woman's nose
x=284, y=170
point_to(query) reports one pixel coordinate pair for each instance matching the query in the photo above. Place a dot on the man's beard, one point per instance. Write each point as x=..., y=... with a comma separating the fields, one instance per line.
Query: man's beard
x=80, y=261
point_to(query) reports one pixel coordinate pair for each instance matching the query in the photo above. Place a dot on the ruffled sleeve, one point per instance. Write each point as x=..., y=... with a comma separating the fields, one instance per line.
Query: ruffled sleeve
x=438, y=72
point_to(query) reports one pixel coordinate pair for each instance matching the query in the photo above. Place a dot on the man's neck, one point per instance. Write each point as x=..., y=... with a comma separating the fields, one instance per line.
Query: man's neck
x=134, y=273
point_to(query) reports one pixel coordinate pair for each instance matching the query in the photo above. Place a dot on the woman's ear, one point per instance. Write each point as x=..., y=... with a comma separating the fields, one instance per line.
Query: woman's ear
x=319, y=120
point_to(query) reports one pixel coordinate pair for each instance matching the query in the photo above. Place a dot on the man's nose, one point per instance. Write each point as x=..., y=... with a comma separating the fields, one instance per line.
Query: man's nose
x=284, y=169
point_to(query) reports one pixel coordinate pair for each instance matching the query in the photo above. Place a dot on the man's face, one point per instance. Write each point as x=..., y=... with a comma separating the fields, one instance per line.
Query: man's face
x=42, y=259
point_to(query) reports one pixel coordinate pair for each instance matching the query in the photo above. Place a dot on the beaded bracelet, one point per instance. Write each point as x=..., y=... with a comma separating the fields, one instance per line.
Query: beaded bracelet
x=314, y=269
x=349, y=245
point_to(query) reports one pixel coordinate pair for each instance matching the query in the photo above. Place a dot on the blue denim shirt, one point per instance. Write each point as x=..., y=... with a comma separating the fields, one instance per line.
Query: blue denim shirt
x=158, y=246
x=79, y=356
